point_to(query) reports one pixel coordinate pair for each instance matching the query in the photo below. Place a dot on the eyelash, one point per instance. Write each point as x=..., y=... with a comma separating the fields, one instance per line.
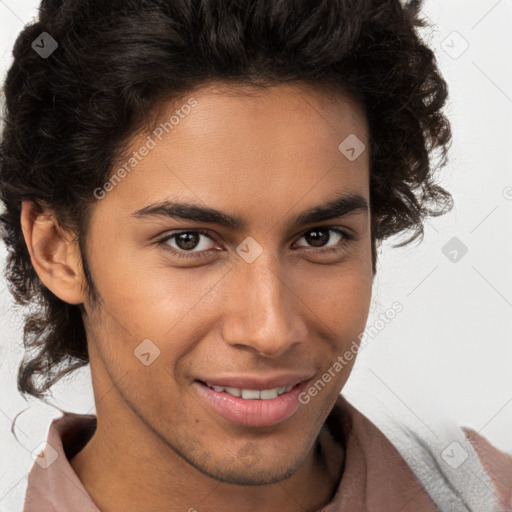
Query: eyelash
x=342, y=245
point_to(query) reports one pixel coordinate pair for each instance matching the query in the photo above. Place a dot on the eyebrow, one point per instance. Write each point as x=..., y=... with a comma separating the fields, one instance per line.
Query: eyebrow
x=340, y=206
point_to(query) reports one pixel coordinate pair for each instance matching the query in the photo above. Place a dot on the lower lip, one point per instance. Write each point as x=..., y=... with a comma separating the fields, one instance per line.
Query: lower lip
x=252, y=413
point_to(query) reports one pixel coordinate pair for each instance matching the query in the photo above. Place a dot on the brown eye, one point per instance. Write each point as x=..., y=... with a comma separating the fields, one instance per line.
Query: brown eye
x=184, y=243
x=320, y=237
x=187, y=241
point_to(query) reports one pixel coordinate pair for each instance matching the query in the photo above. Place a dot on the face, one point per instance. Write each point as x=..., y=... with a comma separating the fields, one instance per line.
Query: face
x=258, y=282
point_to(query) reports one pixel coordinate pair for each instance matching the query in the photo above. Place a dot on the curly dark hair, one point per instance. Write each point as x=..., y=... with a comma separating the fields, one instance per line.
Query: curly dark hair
x=69, y=117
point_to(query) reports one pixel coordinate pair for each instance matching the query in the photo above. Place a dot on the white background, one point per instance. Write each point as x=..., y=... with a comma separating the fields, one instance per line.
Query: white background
x=449, y=351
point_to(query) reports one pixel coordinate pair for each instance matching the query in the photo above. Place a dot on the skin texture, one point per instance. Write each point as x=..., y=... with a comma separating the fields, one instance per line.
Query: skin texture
x=265, y=157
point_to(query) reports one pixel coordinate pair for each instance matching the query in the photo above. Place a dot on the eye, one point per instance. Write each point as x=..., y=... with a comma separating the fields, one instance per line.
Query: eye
x=319, y=237
x=185, y=241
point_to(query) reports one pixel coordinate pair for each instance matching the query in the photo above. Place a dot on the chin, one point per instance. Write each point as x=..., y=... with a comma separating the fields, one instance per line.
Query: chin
x=250, y=476
x=246, y=467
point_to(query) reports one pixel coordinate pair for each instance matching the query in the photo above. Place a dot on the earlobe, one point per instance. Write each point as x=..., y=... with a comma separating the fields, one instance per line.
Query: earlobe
x=54, y=254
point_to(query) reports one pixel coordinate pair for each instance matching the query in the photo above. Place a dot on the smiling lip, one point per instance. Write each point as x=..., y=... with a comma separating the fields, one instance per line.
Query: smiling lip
x=253, y=412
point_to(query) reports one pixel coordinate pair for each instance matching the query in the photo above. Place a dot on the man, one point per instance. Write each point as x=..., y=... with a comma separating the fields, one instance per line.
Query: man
x=196, y=191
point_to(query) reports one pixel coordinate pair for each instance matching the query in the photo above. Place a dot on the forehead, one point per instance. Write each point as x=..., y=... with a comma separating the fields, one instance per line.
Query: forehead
x=273, y=111
x=248, y=146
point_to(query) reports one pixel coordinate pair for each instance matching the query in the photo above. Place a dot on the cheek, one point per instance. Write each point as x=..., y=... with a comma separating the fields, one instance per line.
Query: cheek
x=148, y=296
x=339, y=295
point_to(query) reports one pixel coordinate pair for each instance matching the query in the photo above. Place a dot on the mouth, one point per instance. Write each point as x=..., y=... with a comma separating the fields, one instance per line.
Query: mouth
x=251, y=394
x=252, y=403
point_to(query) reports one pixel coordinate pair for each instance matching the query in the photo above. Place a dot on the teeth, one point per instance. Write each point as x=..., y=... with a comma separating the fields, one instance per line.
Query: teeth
x=269, y=393
x=253, y=394
x=233, y=391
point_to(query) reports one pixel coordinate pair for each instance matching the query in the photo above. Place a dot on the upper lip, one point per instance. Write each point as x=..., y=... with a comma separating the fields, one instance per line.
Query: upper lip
x=257, y=382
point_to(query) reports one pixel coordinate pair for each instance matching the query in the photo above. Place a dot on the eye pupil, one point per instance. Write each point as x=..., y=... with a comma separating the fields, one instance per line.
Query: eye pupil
x=190, y=240
x=317, y=240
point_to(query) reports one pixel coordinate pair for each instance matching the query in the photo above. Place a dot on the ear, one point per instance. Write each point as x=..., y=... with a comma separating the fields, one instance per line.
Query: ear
x=54, y=255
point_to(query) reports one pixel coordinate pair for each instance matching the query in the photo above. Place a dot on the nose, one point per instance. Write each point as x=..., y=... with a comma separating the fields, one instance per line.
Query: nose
x=263, y=309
